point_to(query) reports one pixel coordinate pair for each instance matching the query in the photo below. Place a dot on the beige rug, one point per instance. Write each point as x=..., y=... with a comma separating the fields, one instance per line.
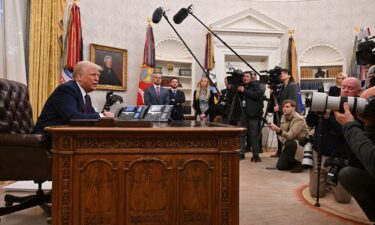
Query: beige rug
x=328, y=205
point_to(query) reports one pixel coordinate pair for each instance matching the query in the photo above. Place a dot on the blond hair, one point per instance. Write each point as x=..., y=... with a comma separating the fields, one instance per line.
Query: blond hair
x=82, y=66
x=199, y=90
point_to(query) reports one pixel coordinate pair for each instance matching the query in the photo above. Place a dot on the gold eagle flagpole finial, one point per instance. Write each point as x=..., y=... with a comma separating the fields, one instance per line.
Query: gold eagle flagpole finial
x=358, y=29
x=149, y=21
x=291, y=32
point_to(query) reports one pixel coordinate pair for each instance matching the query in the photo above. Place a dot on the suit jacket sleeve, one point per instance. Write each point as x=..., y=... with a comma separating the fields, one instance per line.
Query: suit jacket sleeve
x=166, y=97
x=180, y=97
x=67, y=103
x=361, y=145
x=147, y=97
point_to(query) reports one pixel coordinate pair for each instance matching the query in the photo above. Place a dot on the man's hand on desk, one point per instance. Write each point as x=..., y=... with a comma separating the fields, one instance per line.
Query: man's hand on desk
x=106, y=114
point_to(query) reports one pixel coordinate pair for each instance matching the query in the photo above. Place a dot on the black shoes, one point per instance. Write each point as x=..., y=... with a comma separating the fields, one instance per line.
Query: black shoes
x=256, y=159
x=276, y=155
x=298, y=168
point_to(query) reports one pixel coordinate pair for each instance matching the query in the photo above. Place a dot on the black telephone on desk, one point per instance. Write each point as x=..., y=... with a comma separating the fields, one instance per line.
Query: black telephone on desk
x=159, y=113
x=132, y=112
x=155, y=113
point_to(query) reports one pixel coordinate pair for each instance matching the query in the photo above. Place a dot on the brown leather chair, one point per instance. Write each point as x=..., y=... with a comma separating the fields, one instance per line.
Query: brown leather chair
x=23, y=155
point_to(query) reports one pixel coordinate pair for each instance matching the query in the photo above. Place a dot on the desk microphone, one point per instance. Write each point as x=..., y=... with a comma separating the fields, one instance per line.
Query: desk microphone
x=158, y=13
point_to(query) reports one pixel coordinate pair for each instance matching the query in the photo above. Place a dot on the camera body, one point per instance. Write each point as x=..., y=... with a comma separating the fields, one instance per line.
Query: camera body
x=336, y=165
x=366, y=52
x=272, y=78
x=236, y=77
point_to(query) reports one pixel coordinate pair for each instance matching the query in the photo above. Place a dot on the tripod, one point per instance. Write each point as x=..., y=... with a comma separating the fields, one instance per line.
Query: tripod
x=235, y=99
x=319, y=150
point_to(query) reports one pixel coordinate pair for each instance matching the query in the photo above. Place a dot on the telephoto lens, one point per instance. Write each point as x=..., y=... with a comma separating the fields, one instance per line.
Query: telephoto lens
x=320, y=102
x=307, y=160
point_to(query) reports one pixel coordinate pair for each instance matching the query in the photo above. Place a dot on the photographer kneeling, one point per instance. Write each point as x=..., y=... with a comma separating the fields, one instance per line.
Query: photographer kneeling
x=293, y=128
x=360, y=182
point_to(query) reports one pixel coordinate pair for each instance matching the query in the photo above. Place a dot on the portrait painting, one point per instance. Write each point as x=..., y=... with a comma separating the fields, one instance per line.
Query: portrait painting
x=114, y=66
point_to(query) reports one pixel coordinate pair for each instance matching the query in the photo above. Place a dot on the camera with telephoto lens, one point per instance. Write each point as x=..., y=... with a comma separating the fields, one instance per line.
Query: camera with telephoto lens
x=320, y=102
x=307, y=160
x=336, y=165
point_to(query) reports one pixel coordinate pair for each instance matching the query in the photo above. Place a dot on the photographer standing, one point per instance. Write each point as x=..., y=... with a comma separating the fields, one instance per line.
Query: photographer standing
x=289, y=90
x=334, y=148
x=360, y=182
x=251, y=97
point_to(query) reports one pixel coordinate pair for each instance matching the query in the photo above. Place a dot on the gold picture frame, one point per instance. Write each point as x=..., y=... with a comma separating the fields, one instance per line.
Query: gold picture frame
x=114, y=62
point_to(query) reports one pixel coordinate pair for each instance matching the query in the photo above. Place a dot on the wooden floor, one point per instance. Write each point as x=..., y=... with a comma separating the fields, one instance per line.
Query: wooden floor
x=267, y=197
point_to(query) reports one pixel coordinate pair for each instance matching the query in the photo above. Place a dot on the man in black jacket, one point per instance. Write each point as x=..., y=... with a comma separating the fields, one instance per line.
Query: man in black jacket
x=360, y=182
x=176, y=97
x=251, y=97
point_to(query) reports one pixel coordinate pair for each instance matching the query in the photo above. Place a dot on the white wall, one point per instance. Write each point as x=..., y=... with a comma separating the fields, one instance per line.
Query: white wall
x=123, y=24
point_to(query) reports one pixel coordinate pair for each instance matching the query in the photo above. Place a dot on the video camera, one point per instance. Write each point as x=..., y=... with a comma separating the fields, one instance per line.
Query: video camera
x=272, y=78
x=235, y=78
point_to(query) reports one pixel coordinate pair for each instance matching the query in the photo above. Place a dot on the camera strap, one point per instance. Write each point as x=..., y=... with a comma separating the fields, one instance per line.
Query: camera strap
x=342, y=100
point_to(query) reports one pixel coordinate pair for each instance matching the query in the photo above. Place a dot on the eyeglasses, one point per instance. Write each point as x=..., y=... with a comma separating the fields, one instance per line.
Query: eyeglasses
x=340, y=78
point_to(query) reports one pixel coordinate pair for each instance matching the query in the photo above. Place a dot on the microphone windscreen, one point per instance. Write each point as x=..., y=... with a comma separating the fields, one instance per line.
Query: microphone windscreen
x=158, y=13
x=181, y=15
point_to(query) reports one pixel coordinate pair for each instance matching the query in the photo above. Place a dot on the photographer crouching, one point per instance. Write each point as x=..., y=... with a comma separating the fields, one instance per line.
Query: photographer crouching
x=251, y=98
x=334, y=149
x=292, y=128
x=360, y=182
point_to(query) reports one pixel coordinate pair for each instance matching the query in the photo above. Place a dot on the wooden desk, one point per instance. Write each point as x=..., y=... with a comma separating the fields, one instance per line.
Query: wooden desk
x=185, y=173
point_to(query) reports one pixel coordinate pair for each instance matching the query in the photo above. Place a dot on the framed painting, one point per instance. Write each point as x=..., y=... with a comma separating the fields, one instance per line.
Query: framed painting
x=114, y=66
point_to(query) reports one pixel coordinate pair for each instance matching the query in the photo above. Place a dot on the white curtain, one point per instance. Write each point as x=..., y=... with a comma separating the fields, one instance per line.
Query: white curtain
x=2, y=51
x=12, y=51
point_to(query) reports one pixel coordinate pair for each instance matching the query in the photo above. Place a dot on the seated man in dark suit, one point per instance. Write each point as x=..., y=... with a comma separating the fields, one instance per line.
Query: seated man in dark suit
x=176, y=97
x=156, y=94
x=70, y=100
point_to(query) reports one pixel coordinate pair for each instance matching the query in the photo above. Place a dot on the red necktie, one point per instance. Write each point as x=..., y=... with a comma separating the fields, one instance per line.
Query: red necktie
x=157, y=90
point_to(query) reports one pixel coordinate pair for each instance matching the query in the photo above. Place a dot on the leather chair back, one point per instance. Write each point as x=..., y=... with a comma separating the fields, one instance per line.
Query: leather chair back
x=23, y=155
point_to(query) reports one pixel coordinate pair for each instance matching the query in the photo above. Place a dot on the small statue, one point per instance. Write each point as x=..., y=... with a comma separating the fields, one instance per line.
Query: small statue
x=110, y=100
x=320, y=73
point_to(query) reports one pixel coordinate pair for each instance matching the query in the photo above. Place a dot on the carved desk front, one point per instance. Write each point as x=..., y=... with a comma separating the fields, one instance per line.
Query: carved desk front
x=186, y=173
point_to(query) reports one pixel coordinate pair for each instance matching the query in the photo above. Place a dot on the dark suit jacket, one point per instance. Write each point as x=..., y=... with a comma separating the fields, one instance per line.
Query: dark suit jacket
x=150, y=97
x=109, y=77
x=65, y=103
x=176, y=100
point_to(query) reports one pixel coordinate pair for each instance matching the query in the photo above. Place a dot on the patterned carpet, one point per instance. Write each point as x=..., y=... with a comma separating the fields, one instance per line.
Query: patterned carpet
x=328, y=205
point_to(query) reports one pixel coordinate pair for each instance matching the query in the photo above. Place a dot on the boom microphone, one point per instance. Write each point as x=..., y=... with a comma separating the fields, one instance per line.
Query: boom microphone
x=181, y=15
x=158, y=13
